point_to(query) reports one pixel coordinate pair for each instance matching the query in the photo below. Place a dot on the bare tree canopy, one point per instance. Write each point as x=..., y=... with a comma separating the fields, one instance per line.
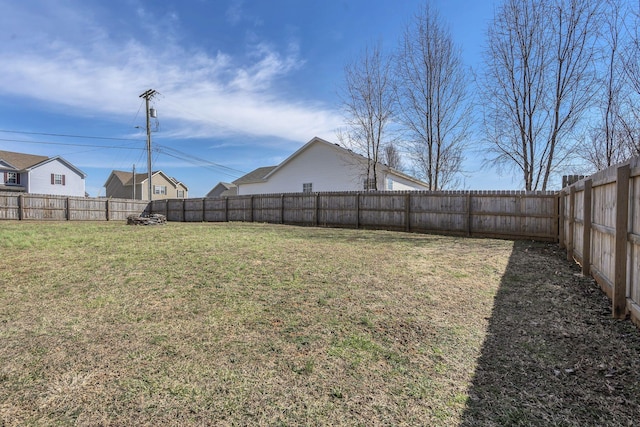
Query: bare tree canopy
x=432, y=99
x=368, y=103
x=631, y=60
x=613, y=136
x=538, y=83
x=392, y=157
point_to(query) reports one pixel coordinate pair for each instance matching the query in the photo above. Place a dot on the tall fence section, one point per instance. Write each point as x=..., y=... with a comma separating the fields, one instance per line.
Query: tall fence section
x=60, y=208
x=506, y=214
x=600, y=228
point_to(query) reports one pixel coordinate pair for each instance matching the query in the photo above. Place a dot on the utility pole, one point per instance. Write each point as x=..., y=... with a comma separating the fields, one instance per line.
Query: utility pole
x=149, y=94
x=134, y=181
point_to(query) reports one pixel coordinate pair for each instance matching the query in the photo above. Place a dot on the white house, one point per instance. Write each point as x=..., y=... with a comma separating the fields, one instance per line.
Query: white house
x=29, y=173
x=320, y=166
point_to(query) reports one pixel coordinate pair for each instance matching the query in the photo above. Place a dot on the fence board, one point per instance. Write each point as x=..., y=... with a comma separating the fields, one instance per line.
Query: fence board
x=338, y=210
x=120, y=209
x=9, y=206
x=215, y=210
x=193, y=210
x=44, y=207
x=239, y=208
x=87, y=209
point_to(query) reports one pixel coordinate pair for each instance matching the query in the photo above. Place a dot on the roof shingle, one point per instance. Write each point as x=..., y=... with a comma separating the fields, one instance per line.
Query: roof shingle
x=21, y=161
x=256, y=175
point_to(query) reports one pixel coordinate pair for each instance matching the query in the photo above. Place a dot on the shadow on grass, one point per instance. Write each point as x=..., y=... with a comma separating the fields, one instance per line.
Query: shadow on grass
x=553, y=355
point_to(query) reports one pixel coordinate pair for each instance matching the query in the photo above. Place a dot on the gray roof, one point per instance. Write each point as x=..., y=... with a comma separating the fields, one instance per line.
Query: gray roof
x=223, y=189
x=24, y=162
x=126, y=178
x=257, y=175
x=21, y=161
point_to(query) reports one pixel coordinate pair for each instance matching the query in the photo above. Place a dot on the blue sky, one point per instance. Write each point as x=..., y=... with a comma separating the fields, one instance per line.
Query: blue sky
x=242, y=83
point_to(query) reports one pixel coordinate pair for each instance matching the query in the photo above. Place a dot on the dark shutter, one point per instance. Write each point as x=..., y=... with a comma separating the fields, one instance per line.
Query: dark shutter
x=17, y=178
x=63, y=180
x=53, y=179
x=6, y=177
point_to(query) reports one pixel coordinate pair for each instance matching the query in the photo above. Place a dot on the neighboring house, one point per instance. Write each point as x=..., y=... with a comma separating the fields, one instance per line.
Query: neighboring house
x=124, y=185
x=29, y=173
x=223, y=189
x=321, y=166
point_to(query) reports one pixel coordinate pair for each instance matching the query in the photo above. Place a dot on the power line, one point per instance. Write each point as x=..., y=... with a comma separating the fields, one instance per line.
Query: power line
x=201, y=160
x=159, y=149
x=69, y=144
x=176, y=154
x=70, y=136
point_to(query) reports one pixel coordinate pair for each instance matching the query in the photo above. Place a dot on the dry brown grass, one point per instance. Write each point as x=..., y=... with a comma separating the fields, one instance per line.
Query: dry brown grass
x=249, y=324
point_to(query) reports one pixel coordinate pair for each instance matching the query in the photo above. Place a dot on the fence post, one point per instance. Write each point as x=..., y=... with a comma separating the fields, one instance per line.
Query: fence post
x=407, y=212
x=555, y=225
x=469, y=214
x=108, y=211
x=281, y=208
x=561, y=209
x=21, y=207
x=317, y=209
x=251, y=209
x=68, y=209
x=572, y=213
x=204, y=210
x=619, y=299
x=357, y=210
x=586, y=229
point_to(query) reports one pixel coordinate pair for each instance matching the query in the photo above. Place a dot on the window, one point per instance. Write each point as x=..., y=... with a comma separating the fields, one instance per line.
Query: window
x=57, y=179
x=389, y=184
x=307, y=187
x=370, y=184
x=160, y=189
x=11, y=178
x=180, y=194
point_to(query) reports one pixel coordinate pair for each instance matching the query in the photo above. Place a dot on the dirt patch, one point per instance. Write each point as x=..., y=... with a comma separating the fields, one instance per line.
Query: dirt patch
x=553, y=354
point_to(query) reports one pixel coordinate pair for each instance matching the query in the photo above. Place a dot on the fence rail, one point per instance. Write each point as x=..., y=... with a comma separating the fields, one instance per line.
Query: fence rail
x=505, y=214
x=61, y=208
x=600, y=229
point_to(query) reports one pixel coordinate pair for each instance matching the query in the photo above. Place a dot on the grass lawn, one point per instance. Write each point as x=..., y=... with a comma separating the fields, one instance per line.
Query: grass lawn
x=253, y=324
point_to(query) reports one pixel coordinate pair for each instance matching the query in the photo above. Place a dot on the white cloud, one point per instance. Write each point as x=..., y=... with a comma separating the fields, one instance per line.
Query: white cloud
x=203, y=94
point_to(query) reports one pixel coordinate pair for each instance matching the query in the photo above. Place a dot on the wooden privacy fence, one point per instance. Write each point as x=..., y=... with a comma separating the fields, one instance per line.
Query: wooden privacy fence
x=61, y=208
x=505, y=214
x=600, y=228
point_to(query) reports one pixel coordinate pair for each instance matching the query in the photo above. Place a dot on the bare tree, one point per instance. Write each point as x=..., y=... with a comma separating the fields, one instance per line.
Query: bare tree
x=538, y=82
x=614, y=135
x=632, y=72
x=368, y=103
x=631, y=60
x=431, y=89
x=392, y=157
